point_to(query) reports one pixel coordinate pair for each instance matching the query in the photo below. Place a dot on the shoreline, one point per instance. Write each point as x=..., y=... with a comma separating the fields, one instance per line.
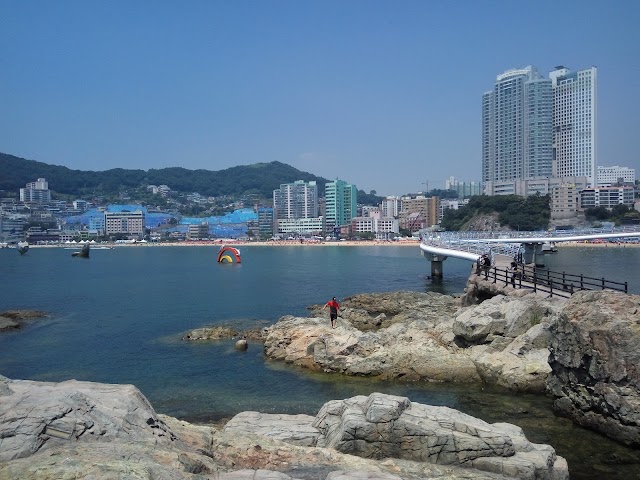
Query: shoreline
x=234, y=243
x=294, y=243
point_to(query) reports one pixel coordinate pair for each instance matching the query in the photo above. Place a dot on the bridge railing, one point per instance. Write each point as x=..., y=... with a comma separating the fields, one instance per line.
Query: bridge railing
x=560, y=284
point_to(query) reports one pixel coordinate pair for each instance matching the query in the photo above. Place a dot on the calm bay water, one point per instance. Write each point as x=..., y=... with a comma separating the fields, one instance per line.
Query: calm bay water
x=119, y=316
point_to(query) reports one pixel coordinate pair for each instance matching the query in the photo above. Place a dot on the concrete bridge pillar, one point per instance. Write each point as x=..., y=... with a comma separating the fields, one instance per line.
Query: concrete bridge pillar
x=533, y=254
x=436, y=265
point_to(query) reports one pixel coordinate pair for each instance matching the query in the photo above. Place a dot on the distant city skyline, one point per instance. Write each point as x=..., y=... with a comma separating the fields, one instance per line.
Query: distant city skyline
x=381, y=94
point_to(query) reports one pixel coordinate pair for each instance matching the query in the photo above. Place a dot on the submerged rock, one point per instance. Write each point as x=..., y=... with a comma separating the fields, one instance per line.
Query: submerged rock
x=13, y=319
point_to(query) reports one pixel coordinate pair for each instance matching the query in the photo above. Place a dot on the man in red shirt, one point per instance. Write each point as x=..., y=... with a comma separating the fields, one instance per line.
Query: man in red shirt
x=334, y=308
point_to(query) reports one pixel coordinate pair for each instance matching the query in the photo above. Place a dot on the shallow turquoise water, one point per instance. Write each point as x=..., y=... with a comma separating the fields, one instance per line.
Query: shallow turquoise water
x=118, y=317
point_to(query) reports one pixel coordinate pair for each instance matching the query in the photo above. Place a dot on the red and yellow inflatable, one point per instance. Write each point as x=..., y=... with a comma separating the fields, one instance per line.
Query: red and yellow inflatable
x=228, y=254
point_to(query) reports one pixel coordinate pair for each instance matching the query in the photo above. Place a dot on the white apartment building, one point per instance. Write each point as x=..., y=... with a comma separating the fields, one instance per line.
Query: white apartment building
x=538, y=128
x=303, y=226
x=36, y=192
x=608, y=176
x=574, y=123
x=391, y=206
x=380, y=226
x=296, y=200
x=607, y=197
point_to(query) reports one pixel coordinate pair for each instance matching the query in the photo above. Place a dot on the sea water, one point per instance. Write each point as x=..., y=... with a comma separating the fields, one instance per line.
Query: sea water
x=119, y=317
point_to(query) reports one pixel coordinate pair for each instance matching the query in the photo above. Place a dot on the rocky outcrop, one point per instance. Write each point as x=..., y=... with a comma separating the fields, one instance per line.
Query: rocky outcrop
x=90, y=430
x=373, y=311
x=211, y=333
x=422, y=336
x=385, y=426
x=595, y=357
x=220, y=332
x=38, y=415
x=13, y=319
x=508, y=339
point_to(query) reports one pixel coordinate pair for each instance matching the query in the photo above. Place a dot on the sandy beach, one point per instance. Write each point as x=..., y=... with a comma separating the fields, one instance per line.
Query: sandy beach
x=237, y=243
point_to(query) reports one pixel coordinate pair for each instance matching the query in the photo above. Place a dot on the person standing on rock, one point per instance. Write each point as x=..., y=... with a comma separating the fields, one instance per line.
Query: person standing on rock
x=334, y=308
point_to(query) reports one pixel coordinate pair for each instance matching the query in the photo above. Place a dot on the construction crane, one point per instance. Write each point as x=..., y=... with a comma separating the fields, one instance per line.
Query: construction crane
x=426, y=184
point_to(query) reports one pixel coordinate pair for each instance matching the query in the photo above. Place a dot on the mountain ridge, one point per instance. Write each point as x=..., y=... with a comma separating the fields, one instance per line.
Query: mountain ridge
x=259, y=178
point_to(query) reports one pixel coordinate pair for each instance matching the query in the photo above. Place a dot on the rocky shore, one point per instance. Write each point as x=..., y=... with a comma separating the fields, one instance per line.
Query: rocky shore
x=90, y=430
x=584, y=351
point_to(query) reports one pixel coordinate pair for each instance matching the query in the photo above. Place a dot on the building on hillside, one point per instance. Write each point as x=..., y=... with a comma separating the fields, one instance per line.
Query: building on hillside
x=524, y=188
x=419, y=212
x=517, y=127
x=450, y=204
x=463, y=189
x=81, y=205
x=574, y=123
x=615, y=175
x=340, y=204
x=607, y=197
x=36, y=192
x=370, y=211
x=564, y=201
x=198, y=231
x=127, y=223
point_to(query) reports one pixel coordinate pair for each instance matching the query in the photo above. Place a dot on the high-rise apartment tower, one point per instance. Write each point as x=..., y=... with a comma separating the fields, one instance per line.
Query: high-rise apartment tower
x=517, y=127
x=341, y=204
x=296, y=200
x=574, y=123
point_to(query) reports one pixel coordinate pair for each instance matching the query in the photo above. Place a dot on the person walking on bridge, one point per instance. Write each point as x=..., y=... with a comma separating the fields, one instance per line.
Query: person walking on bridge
x=334, y=308
x=486, y=265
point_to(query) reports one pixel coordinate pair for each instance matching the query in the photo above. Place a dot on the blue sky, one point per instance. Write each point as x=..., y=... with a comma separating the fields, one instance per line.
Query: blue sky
x=383, y=94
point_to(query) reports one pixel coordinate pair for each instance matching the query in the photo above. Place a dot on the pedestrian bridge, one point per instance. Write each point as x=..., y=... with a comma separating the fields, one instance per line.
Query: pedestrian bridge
x=527, y=247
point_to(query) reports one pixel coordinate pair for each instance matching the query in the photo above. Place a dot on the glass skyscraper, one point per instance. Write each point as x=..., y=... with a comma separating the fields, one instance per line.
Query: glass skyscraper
x=517, y=127
x=340, y=203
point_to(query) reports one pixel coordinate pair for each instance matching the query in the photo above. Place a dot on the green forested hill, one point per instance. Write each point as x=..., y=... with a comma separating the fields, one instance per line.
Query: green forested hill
x=260, y=178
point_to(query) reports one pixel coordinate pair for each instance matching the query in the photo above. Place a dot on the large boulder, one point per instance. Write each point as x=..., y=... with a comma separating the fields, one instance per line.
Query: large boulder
x=382, y=426
x=504, y=316
x=90, y=430
x=38, y=415
x=595, y=357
